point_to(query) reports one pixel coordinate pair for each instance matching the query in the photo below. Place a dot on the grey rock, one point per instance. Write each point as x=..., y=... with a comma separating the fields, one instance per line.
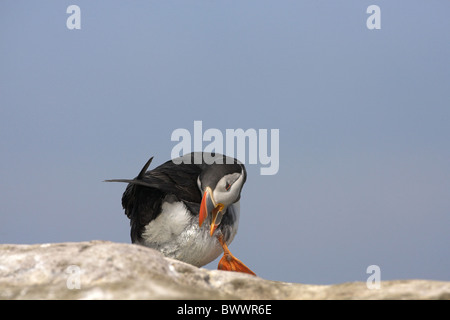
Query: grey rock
x=107, y=270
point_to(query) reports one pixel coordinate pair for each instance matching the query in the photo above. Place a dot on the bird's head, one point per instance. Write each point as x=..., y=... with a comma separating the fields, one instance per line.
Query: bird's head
x=221, y=186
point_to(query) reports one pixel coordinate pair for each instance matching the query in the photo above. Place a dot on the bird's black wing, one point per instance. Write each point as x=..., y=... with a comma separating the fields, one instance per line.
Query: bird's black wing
x=144, y=194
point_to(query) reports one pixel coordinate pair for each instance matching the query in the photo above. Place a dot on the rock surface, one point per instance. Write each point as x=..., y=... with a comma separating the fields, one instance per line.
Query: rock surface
x=107, y=270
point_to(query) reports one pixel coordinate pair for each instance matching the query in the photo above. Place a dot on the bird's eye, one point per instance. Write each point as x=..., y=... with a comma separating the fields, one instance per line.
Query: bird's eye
x=227, y=186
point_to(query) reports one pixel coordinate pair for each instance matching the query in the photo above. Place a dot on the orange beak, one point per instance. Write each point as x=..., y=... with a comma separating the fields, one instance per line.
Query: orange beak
x=209, y=206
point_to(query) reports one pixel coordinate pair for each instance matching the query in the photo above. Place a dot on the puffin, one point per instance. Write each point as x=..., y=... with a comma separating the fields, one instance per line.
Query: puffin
x=188, y=208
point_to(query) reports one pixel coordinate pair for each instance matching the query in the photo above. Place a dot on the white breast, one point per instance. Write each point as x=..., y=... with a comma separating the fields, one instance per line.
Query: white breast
x=176, y=233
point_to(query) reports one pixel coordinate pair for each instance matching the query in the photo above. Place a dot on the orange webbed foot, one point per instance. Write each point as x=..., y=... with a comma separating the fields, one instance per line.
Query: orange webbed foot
x=230, y=262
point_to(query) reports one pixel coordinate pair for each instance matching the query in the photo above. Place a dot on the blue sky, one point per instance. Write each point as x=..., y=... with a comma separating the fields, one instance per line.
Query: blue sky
x=363, y=117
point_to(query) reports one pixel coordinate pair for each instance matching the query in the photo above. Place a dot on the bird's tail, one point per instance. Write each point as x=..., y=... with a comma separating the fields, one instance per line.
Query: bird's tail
x=139, y=179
